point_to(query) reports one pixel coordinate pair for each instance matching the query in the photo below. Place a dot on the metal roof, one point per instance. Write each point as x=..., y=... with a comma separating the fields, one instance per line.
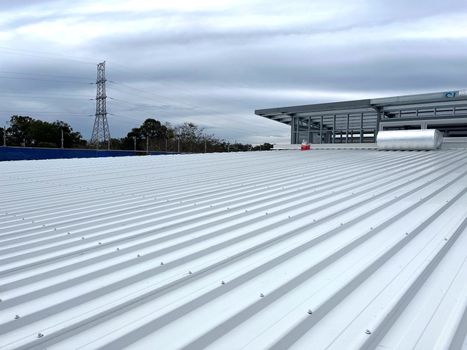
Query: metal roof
x=446, y=97
x=335, y=249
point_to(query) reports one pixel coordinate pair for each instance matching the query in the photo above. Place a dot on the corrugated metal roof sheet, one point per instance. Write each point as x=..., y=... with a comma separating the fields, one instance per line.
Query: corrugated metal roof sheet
x=322, y=249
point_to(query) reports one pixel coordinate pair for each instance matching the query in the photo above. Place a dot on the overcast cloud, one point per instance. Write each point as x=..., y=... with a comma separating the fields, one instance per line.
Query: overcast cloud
x=215, y=62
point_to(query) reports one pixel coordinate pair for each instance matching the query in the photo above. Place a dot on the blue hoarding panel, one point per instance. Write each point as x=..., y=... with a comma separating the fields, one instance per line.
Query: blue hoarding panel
x=29, y=153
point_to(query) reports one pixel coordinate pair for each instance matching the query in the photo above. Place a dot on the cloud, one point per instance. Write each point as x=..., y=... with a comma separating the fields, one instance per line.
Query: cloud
x=215, y=62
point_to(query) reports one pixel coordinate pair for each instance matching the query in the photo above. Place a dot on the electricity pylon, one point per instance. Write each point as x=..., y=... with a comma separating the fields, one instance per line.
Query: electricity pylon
x=100, y=131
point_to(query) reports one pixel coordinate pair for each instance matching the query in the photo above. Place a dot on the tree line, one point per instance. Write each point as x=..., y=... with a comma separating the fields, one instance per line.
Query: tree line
x=151, y=135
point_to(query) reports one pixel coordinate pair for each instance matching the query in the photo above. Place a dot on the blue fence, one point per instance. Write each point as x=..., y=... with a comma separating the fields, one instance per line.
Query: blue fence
x=30, y=153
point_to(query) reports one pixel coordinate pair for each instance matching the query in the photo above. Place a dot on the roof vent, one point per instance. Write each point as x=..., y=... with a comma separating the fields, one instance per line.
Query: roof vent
x=427, y=139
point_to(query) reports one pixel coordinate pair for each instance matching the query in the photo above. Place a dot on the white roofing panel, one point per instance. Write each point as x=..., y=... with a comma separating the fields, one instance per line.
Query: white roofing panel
x=325, y=249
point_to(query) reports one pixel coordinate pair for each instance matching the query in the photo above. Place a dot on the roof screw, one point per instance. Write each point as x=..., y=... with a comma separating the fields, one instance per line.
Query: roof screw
x=371, y=228
x=100, y=242
x=162, y=263
x=314, y=220
x=261, y=295
x=406, y=233
x=342, y=224
x=82, y=237
x=367, y=331
x=289, y=216
x=68, y=233
x=222, y=282
x=16, y=317
x=310, y=312
x=40, y=335
x=139, y=256
x=118, y=248
x=445, y=238
x=190, y=273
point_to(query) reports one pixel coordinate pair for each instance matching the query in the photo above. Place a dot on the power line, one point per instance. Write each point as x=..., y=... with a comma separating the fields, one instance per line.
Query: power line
x=177, y=103
x=118, y=85
x=125, y=70
x=23, y=112
x=44, y=79
x=45, y=96
x=46, y=75
x=140, y=91
x=42, y=54
x=139, y=107
x=190, y=92
x=119, y=100
x=125, y=117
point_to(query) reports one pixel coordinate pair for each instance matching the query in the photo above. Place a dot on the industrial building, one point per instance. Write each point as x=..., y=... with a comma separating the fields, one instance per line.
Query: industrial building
x=323, y=249
x=359, y=121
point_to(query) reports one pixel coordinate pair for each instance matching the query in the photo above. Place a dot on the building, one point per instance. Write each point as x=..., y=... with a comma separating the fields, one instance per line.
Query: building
x=359, y=121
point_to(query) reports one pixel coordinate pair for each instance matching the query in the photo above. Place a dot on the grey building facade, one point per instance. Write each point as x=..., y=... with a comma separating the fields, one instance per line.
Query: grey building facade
x=358, y=121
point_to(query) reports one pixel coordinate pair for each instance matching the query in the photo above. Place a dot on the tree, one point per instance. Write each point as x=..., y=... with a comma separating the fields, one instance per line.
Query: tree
x=191, y=137
x=70, y=138
x=150, y=129
x=170, y=130
x=264, y=147
x=27, y=131
x=20, y=130
x=128, y=142
x=153, y=128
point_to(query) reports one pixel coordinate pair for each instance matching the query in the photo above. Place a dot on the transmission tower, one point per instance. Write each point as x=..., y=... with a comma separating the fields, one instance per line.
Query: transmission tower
x=100, y=131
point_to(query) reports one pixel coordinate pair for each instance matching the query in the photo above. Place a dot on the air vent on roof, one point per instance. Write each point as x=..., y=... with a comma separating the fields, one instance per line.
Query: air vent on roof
x=428, y=139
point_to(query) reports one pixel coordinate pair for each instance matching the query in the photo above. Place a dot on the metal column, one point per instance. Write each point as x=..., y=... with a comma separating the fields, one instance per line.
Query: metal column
x=379, y=112
x=292, y=129
x=321, y=130
x=347, y=129
x=361, y=128
x=334, y=129
x=297, y=130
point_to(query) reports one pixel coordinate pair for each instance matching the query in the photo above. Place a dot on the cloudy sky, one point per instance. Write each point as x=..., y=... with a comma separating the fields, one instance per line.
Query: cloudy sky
x=213, y=62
